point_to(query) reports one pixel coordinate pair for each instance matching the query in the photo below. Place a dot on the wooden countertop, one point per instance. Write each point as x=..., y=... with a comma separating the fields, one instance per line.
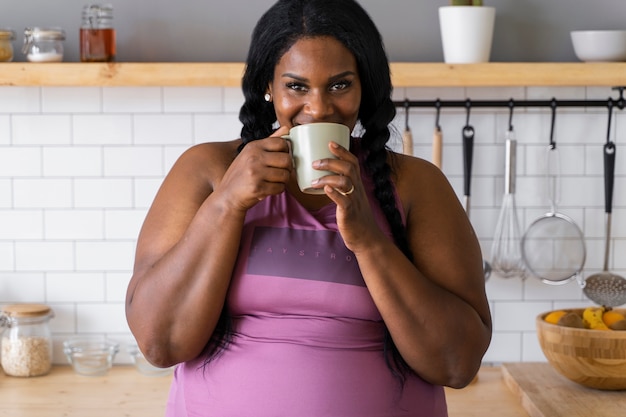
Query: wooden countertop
x=126, y=392
x=545, y=393
x=228, y=74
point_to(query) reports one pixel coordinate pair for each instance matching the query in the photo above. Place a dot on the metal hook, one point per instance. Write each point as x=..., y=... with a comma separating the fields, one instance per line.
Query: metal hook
x=620, y=101
x=553, y=105
x=468, y=106
x=608, y=130
x=438, y=107
x=511, y=106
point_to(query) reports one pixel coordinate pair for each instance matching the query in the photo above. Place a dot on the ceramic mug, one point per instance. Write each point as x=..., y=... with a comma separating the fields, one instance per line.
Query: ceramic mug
x=309, y=143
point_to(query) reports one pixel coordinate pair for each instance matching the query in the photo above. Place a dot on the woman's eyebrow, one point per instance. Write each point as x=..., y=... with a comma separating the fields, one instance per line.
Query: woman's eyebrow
x=303, y=79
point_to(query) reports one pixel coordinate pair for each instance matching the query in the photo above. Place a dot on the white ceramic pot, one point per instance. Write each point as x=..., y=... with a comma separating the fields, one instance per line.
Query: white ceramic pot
x=466, y=33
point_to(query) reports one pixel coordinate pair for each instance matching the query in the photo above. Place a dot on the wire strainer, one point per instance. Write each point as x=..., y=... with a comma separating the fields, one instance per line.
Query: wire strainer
x=553, y=246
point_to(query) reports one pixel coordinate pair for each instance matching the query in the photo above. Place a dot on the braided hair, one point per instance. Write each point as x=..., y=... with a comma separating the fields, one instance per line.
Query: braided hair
x=279, y=28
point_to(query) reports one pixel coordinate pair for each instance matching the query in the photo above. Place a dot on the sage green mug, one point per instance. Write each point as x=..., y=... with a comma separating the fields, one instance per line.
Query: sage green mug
x=309, y=143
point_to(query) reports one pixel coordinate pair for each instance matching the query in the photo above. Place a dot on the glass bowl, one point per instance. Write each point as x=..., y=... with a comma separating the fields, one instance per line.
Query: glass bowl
x=145, y=367
x=90, y=356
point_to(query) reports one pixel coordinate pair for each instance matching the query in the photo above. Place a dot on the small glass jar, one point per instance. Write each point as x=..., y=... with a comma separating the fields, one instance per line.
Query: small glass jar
x=43, y=44
x=6, y=45
x=26, y=340
x=97, y=36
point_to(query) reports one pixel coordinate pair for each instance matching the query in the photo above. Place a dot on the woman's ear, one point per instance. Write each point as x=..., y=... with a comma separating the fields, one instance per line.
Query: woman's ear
x=268, y=94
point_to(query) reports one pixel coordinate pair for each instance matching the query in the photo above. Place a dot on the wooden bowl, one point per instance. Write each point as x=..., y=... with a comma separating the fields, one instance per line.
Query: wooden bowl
x=593, y=358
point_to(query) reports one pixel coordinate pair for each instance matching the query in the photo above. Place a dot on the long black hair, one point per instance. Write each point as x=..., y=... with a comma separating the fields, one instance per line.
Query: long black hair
x=279, y=28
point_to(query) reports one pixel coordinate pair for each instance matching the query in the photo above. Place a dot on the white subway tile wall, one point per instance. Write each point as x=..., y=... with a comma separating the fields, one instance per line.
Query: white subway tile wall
x=79, y=167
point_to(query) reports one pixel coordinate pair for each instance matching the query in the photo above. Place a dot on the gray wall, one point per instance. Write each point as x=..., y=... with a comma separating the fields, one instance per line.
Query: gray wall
x=218, y=30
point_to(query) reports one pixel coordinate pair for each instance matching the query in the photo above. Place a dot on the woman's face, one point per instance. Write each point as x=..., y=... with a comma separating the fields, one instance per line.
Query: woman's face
x=316, y=80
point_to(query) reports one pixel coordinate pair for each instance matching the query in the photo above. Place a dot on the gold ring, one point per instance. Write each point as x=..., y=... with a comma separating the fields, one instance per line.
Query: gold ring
x=350, y=191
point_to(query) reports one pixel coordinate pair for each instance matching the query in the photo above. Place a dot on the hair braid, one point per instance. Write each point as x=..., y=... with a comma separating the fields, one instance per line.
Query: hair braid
x=378, y=167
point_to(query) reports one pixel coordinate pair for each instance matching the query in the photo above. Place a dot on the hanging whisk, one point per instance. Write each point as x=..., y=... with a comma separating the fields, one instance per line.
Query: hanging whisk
x=506, y=257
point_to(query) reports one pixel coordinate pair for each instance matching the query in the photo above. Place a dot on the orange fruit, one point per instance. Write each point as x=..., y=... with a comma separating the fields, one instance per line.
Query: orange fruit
x=554, y=316
x=610, y=317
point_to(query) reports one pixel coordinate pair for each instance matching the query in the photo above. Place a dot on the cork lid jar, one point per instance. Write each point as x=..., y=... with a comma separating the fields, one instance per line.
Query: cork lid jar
x=26, y=344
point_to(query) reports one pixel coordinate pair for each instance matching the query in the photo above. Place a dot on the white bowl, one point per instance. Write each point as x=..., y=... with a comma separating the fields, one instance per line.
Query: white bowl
x=599, y=45
x=91, y=356
x=145, y=367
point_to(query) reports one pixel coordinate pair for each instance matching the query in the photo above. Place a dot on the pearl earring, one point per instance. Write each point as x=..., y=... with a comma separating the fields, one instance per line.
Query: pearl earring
x=267, y=97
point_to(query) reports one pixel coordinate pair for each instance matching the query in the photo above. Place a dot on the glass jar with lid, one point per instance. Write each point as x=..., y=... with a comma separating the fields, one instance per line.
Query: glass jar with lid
x=43, y=44
x=26, y=342
x=97, y=35
x=6, y=44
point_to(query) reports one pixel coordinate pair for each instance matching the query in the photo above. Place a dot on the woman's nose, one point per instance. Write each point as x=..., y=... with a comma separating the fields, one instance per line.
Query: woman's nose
x=320, y=106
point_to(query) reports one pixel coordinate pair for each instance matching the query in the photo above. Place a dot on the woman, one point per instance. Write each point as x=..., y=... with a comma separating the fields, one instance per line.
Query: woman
x=363, y=301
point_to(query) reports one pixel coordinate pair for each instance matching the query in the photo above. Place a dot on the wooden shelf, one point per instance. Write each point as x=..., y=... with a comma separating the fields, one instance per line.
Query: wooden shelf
x=228, y=74
x=509, y=74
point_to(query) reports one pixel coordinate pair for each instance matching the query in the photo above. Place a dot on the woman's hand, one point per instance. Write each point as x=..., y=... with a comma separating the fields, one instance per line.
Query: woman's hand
x=355, y=219
x=262, y=168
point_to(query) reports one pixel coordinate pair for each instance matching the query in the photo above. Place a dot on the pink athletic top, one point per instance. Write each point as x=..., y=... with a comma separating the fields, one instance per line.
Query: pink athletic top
x=308, y=339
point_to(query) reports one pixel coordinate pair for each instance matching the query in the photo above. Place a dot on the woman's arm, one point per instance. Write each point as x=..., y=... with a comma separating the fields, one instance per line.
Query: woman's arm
x=435, y=307
x=189, y=242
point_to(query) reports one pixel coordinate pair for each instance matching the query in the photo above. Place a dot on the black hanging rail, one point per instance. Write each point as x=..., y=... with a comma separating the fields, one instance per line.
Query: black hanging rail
x=619, y=103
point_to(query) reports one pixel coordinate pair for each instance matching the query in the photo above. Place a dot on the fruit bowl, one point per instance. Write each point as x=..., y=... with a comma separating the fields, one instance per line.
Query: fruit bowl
x=599, y=45
x=593, y=358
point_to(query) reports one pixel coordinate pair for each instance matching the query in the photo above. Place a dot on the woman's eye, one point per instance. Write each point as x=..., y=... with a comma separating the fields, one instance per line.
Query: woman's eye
x=340, y=85
x=296, y=87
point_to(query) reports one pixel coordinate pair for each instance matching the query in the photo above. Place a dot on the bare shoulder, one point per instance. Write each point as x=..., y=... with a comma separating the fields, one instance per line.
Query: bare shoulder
x=216, y=152
x=206, y=161
x=420, y=183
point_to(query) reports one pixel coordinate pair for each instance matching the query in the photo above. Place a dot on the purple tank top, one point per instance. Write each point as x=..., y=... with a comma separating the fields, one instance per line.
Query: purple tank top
x=308, y=339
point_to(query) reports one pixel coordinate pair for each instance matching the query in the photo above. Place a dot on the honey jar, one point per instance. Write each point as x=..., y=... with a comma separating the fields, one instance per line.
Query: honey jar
x=97, y=35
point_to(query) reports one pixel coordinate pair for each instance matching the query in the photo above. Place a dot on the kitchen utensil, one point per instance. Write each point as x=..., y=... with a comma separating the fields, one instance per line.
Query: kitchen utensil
x=553, y=247
x=437, y=139
x=468, y=152
x=607, y=288
x=407, y=136
x=468, y=155
x=437, y=147
x=506, y=259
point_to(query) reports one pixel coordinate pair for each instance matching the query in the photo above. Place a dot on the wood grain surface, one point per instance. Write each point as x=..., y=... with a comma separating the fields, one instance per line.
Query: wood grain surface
x=228, y=74
x=124, y=392
x=545, y=393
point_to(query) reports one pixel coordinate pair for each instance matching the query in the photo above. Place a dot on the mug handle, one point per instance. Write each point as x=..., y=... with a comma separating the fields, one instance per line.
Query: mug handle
x=288, y=138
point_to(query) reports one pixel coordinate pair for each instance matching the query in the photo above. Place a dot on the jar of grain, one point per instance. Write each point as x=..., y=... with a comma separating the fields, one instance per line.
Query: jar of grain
x=6, y=45
x=26, y=340
x=43, y=44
